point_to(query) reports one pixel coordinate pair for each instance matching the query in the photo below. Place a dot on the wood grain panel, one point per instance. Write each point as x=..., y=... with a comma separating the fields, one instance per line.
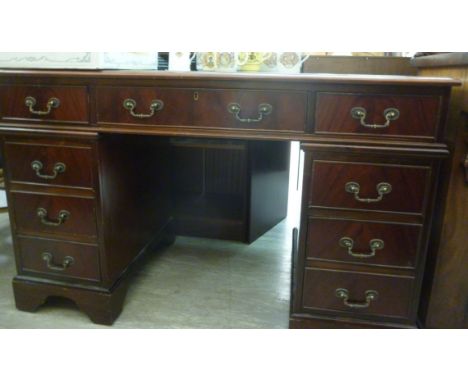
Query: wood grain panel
x=289, y=109
x=82, y=220
x=401, y=242
x=177, y=109
x=394, y=293
x=78, y=162
x=136, y=202
x=73, y=103
x=418, y=115
x=203, y=107
x=409, y=186
x=85, y=264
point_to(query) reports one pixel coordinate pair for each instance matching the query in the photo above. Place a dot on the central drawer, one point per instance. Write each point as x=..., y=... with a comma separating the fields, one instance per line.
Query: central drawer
x=224, y=108
x=52, y=214
x=363, y=186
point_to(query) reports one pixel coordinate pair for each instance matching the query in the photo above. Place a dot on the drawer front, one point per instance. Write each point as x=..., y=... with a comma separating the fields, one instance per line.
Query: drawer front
x=357, y=293
x=58, y=258
x=417, y=115
x=369, y=243
x=50, y=165
x=265, y=110
x=44, y=103
x=176, y=106
x=378, y=187
x=203, y=108
x=50, y=214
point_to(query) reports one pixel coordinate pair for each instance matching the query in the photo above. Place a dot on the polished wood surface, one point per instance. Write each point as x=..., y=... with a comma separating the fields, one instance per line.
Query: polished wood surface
x=266, y=78
x=400, y=242
x=76, y=158
x=409, y=186
x=84, y=266
x=288, y=109
x=203, y=107
x=361, y=65
x=73, y=103
x=135, y=200
x=393, y=301
x=130, y=204
x=418, y=115
x=445, y=297
x=102, y=307
x=320, y=256
x=80, y=222
x=110, y=105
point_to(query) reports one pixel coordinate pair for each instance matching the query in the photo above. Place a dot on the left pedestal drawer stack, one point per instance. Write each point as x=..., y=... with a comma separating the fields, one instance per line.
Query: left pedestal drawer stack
x=69, y=241
x=53, y=204
x=53, y=207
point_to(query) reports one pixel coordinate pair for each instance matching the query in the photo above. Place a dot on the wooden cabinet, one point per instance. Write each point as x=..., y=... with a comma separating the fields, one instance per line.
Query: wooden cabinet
x=126, y=159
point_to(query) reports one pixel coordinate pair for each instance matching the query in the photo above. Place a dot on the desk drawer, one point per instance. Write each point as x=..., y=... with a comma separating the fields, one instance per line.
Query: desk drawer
x=417, y=115
x=170, y=106
x=246, y=109
x=250, y=109
x=369, y=243
x=44, y=103
x=49, y=164
x=60, y=259
x=378, y=187
x=357, y=293
x=51, y=214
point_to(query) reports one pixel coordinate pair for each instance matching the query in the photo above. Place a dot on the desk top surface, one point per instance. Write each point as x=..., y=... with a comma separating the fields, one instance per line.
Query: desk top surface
x=207, y=76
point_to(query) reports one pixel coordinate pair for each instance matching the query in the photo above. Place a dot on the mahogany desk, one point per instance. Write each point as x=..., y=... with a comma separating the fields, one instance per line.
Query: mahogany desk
x=88, y=169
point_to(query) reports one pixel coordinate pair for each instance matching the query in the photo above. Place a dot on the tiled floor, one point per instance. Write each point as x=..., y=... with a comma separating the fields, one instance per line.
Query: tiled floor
x=196, y=283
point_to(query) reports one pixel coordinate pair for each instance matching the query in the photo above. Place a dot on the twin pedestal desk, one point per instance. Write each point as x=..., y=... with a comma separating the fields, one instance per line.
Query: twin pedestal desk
x=102, y=165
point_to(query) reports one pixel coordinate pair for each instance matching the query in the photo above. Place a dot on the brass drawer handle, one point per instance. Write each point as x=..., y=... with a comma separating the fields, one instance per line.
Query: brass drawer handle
x=374, y=244
x=42, y=214
x=37, y=166
x=52, y=103
x=263, y=110
x=390, y=114
x=371, y=295
x=130, y=105
x=48, y=258
x=382, y=189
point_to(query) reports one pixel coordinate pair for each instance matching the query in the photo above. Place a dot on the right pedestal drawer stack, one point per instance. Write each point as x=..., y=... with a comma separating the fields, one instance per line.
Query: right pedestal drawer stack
x=367, y=207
